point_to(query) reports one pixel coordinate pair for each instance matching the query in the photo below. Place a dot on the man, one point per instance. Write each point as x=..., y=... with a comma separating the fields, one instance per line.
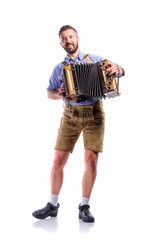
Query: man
x=85, y=116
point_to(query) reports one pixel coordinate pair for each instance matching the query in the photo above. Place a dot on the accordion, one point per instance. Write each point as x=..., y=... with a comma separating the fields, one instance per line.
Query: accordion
x=90, y=80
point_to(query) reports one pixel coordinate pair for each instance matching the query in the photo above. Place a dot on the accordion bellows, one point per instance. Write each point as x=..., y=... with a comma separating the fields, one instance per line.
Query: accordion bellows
x=91, y=80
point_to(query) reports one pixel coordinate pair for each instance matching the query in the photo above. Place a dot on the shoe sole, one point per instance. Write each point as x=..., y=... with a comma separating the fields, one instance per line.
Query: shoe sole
x=38, y=217
x=86, y=220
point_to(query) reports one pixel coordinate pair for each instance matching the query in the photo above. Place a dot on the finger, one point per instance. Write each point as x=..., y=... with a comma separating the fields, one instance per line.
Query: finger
x=110, y=64
x=111, y=67
x=62, y=89
x=113, y=71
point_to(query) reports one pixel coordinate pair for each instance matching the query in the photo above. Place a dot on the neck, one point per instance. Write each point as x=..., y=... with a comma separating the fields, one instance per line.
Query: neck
x=74, y=55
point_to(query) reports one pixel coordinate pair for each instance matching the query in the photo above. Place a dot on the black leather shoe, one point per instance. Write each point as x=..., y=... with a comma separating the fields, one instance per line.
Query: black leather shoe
x=85, y=214
x=48, y=211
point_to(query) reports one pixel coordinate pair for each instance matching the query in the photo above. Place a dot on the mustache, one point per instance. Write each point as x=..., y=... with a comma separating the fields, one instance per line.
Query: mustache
x=68, y=44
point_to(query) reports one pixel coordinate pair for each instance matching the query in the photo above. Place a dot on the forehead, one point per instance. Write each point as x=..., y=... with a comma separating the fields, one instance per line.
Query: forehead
x=68, y=32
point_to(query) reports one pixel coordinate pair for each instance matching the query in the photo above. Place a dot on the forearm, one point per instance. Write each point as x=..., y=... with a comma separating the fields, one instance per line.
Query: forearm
x=54, y=95
x=121, y=71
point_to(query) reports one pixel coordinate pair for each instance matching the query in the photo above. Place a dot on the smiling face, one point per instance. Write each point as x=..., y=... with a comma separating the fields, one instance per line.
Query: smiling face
x=69, y=41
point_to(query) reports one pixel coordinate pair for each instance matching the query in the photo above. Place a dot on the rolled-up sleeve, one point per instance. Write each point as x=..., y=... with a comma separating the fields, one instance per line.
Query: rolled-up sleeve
x=55, y=80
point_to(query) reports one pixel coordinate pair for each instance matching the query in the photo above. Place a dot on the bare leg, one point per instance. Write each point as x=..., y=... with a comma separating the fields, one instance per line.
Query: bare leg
x=90, y=173
x=57, y=173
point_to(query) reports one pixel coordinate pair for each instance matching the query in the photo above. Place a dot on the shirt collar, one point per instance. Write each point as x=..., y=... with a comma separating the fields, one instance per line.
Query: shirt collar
x=79, y=58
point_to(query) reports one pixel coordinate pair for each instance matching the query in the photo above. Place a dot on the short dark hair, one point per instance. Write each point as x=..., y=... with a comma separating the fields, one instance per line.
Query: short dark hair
x=65, y=27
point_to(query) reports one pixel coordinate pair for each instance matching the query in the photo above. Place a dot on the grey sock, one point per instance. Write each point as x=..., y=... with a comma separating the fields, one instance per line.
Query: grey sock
x=54, y=199
x=84, y=201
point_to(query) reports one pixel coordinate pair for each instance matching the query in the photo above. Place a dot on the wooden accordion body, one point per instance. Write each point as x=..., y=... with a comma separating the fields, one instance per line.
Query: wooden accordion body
x=90, y=79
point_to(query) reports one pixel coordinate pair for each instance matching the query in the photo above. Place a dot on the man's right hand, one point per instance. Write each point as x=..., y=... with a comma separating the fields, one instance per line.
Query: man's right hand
x=62, y=91
x=52, y=94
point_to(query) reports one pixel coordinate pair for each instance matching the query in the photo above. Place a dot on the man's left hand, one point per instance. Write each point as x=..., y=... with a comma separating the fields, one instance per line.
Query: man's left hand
x=114, y=70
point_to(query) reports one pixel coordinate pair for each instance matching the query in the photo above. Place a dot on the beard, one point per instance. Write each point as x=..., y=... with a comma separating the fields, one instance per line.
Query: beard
x=71, y=50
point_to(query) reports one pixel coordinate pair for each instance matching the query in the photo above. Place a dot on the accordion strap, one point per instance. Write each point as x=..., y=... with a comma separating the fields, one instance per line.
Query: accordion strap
x=86, y=56
x=64, y=63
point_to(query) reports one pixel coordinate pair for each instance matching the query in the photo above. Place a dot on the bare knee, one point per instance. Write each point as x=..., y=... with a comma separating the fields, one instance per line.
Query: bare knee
x=91, y=159
x=60, y=159
x=58, y=164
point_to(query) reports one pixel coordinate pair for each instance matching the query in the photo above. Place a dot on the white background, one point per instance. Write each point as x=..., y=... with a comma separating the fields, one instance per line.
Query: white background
x=125, y=197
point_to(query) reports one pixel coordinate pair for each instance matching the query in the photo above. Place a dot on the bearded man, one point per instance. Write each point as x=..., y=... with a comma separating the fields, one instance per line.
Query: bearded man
x=85, y=116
